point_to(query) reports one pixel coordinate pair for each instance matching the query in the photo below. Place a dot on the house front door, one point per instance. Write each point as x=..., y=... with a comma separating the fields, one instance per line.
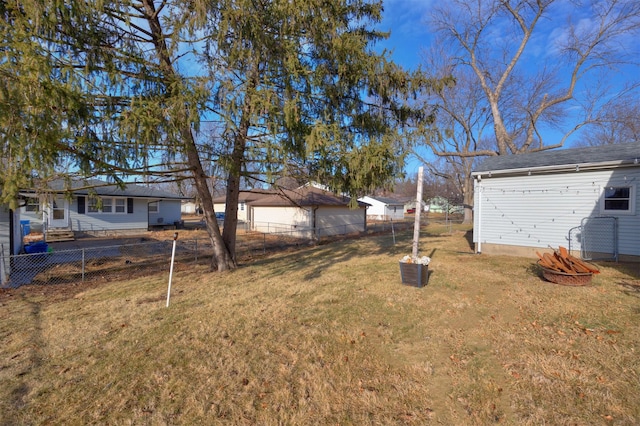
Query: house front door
x=59, y=213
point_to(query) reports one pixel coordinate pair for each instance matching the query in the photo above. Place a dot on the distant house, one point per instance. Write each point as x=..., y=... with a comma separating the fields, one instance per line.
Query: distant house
x=189, y=207
x=381, y=208
x=244, y=198
x=102, y=209
x=436, y=204
x=585, y=198
x=307, y=212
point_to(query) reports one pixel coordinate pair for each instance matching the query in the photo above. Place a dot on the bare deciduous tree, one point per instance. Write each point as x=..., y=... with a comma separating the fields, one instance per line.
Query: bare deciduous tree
x=494, y=37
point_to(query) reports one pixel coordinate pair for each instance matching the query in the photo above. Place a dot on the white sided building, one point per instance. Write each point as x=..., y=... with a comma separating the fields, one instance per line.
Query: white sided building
x=585, y=199
x=307, y=212
x=381, y=208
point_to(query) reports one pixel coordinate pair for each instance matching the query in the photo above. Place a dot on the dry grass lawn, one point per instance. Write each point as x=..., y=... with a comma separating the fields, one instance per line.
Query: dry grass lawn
x=328, y=335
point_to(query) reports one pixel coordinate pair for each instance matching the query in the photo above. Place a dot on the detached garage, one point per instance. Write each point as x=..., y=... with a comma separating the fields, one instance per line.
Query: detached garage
x=307, y=212
x=585, y=199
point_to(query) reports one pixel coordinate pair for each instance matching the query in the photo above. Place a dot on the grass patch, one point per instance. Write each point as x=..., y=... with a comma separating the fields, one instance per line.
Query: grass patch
x=328, y=335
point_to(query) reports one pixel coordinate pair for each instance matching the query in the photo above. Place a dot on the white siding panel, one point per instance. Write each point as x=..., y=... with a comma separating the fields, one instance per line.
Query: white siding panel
x=243, y=210
x=339, y=220
x=5, y=242
x=382, y=211
x=219, y=207
x=292, y=221
x=101, y=222
x=168, y=212
x=394, y=212
x=540, y=210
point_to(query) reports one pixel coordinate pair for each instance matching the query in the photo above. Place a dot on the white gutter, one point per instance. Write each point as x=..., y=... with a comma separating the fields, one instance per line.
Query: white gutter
x=559, y=168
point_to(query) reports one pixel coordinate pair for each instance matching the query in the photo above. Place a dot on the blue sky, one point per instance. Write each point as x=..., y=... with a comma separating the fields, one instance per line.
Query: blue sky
x=406, y=20
x=410, y=34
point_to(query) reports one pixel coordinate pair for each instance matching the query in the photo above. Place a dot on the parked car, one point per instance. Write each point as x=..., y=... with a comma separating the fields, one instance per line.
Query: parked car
x=220, y=216
x=413, y=210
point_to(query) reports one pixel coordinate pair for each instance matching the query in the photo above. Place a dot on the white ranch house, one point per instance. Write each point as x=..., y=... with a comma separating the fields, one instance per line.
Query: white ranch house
x=585, y=199
x=58, y=214
x=381, y=208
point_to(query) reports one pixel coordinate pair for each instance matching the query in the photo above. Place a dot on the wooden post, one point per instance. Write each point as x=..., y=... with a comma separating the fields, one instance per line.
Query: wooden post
x=416, y=224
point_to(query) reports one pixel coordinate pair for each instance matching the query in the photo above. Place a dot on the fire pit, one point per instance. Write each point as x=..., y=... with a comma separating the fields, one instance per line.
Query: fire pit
x=563, y=278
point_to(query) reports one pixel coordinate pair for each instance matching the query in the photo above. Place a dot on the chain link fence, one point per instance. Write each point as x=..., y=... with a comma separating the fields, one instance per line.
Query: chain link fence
x=113, y=261
x=597, y=238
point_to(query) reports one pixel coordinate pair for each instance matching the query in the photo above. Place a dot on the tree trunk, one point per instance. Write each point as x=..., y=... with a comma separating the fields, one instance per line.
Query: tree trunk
x=233, y=195
x=467, y=199
x=230, y=228
x=223, y=258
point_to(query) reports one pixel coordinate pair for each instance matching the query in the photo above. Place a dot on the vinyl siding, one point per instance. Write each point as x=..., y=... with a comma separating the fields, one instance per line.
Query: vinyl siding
x=299, y=222
x=101, y=222
x=339, y=220
x=5, y=242
x=382, y=211
x=169, y=211
x=243, y=215
x=540, y=210
x=287, y=220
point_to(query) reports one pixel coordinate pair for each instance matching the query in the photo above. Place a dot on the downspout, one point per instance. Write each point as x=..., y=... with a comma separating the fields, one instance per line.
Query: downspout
x=314, y=222
x=478, y=190
x=149, y=216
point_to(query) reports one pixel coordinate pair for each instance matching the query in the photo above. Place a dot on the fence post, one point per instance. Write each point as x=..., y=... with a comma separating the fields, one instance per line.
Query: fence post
x=264, y=242
x=82, y=265
x=2, y=271
x=196, y=249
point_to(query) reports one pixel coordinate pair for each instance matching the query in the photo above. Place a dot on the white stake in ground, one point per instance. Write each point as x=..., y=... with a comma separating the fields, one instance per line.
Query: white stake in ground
x=173, y=256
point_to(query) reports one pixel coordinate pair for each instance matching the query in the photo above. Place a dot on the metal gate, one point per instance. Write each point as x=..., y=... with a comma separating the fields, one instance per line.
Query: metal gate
x=598, y=238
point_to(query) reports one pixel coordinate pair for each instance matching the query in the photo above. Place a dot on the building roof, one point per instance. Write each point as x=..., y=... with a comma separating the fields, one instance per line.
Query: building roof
x=246, y=196
x=627, y=153
x=307, y=196
x=102, y=188
x=386, y=200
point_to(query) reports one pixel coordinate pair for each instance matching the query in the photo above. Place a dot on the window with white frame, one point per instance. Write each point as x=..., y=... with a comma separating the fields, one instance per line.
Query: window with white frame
x=154, y=207
x=33, y=205
x=92, y=206
x=107, y=205
x=618, y=200
x=120, y=205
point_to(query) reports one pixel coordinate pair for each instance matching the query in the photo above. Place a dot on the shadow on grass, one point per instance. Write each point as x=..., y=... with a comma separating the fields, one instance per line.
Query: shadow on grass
x=630, y=288
x=535, y=270
x=468, y=236
x=315, y=260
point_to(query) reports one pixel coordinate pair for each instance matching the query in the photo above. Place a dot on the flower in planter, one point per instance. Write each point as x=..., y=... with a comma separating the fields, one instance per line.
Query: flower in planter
x=424, y=260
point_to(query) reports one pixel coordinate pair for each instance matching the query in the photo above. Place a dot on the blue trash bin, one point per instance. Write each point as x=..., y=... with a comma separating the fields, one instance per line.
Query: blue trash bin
x=25, y=225
x=37, y=247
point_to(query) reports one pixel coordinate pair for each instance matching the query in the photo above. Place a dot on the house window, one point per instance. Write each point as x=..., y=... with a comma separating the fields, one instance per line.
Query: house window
x=619, y=200
x=33, y=205
x=107, y=205
x=121, y=205
x=241, y=207
x=93, y=206
x=154, y=207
